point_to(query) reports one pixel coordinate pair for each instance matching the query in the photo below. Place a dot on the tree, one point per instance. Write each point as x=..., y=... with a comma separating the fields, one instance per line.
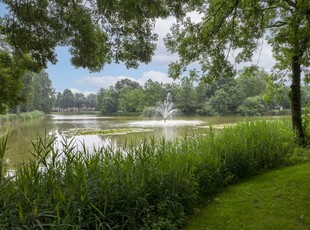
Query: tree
x=11, y=71
x=28, y=92
x=239, y=27
x=126, y=83
x=185, y=98
x=277, y=95
x=107, y=100
x=155, y=92
x=252, y=106
x=96, y=32
x=43, y=98
x=67, y=99
x=252, y=81
x=131, y=100
x=305, y=95
x=59, y=100
x=80, y=100
x=91, y=101
x=220, y=102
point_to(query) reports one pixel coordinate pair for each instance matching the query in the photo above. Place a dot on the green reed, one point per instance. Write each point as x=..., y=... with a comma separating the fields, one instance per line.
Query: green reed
x=153, y=185
x=21, y=117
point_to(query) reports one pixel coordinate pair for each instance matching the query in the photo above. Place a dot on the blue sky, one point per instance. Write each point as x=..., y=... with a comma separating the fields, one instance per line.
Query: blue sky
x=64, y=75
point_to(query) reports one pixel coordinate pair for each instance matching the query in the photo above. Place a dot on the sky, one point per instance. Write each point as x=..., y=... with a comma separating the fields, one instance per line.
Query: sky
x=65, y=76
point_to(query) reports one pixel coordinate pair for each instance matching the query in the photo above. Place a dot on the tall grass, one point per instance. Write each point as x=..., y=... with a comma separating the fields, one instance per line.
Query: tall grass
x=154, y=185
x=20, y=117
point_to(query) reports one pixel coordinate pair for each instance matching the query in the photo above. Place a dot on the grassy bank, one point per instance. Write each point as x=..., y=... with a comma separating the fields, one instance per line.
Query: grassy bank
x=155, y=185
x=275, y=200
x=7, y=118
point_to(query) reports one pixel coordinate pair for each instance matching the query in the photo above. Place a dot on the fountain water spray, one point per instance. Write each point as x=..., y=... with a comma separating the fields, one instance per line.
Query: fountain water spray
x=166, y=108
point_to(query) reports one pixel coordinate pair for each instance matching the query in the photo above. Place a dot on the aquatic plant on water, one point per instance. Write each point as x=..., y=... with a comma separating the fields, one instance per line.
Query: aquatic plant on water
x=106, y=132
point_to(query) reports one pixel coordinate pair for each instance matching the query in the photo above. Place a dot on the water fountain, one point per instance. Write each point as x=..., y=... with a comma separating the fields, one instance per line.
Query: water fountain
x=166, y=108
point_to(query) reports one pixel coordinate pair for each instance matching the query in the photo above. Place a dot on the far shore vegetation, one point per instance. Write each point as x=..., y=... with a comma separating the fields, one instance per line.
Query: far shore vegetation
x=9, y=118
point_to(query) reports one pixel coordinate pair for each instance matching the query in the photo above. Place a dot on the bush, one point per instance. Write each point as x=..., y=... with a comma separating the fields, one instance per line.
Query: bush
x=306, y=121
x=148, y=112
x=280, y=112
x=206, y=110
x=154, y=185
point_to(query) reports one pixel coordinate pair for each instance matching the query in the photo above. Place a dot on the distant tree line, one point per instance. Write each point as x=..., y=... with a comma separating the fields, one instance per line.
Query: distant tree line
x=74, y=102
x=36, y=93
x=250, y=93
x=247, y=94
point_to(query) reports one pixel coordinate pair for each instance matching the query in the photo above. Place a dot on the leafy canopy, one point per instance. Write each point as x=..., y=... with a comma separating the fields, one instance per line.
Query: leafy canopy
x=236, y=29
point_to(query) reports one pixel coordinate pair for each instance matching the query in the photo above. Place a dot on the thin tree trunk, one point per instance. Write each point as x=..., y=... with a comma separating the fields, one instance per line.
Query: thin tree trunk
x=17, y=109
x=295, y=97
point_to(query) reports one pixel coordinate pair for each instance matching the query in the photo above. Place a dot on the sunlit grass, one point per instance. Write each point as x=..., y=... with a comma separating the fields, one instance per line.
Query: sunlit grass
x=275, y=200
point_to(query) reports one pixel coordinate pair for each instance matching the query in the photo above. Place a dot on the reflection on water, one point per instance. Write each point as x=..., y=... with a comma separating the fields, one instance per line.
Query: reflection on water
x=22, y=134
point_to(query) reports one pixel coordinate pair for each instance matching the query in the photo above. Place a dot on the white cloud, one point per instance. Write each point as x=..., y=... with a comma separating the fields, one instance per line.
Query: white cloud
x=102, y=81
x=155, y=76
x=162, y=28
x=74, y=90
x=263, y=58
x=107, y=81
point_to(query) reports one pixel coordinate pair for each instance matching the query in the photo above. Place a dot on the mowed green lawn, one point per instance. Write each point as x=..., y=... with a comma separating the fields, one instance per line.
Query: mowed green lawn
x=277, y=199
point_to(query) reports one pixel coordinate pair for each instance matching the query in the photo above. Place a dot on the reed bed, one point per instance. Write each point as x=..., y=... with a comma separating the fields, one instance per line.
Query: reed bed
x=154, y=185
x=20, y=117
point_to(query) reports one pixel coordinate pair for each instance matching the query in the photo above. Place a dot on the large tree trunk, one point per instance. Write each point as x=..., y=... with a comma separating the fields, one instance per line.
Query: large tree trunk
x=295, y=97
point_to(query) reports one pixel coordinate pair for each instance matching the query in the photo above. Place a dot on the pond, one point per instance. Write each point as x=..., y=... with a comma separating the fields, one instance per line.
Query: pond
x=95, y=130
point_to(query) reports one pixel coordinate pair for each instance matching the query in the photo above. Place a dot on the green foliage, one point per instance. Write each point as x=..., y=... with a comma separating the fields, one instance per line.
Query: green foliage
x=43, y=99
x=3, y=149
x=11, y=70
x=154, y=185
x=305, y=95
x=306, y=121
x=252, y=106
x=22, y=116
x=131, y=100
x=252, y=81
x=103, y=132
x=207, y=110
x=67, y=99
x=148, y=111
x=220, y=101
x=226, y=96
x=238, y=29
x=185, y=98
x=97, y=33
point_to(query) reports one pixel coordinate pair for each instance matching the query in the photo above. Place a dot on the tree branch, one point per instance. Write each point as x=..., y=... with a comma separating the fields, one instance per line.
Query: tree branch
x=290, y=3
x=277, y=24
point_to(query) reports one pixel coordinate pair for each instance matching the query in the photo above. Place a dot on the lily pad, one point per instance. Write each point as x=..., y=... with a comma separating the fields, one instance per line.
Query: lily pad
x=107, y=132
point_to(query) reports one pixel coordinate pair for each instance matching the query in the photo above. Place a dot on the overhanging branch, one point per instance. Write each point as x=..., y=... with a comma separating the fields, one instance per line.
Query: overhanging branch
x=277, y=24
x=290, y=3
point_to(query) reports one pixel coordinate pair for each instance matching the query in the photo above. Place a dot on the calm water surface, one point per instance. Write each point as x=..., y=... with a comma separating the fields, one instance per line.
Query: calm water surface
x=22, y=134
